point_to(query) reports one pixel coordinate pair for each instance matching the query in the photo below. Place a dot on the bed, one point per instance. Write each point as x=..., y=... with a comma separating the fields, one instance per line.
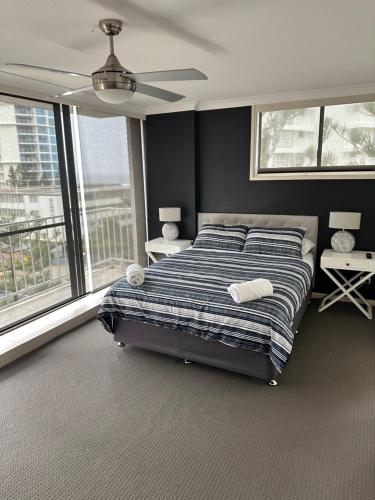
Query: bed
x=184, y=310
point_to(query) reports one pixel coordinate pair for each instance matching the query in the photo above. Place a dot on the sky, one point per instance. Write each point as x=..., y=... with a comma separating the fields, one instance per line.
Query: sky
x=104, y=150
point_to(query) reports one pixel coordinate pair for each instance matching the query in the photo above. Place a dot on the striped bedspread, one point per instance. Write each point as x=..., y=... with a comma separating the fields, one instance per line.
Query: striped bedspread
x=188, y=292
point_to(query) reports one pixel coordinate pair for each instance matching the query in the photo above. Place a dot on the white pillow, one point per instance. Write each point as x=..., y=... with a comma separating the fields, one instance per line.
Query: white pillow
x=307, y=246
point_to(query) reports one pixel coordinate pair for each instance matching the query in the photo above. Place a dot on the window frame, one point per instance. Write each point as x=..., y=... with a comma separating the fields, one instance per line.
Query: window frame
x=304, y=173
x=66, y=167
x=75, y=131
x=65, y=163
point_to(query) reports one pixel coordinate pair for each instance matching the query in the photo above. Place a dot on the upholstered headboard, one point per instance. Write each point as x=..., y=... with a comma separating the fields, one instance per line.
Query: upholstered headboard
x=309, y=222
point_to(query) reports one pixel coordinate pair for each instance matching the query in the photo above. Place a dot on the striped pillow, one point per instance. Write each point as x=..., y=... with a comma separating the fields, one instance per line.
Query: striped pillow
x=286, y=241
x=221, y=237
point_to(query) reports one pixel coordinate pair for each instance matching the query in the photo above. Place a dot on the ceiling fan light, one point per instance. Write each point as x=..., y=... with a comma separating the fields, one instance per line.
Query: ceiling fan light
x=114, y=96
x=114, y=87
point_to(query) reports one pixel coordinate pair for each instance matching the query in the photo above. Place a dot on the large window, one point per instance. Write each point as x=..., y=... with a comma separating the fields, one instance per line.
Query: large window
x=107, y=214
x=67, y=223
x=35, y=273
x=301, y=141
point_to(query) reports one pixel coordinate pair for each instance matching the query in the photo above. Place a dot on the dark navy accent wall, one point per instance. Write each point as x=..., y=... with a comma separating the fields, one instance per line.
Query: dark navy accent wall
x=221, y=149
x=170, y=170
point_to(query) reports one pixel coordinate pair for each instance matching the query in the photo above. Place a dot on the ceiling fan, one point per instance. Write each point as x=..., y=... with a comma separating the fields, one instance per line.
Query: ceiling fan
x=115, y=84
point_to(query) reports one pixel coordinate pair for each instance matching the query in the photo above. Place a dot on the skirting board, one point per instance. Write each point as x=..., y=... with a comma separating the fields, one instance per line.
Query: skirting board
x=34, y=334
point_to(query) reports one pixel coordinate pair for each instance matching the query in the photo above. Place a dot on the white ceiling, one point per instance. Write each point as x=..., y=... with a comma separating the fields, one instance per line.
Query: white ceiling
x=247, y=48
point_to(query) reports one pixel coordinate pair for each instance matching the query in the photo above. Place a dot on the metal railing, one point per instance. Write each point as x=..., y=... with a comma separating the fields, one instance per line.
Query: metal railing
x=110, y=233
x=34, y=255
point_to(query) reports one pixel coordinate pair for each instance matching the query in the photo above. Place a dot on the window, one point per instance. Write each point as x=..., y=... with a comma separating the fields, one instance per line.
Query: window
x=27, y=139
x=288, y=138
x=28, y=157
x=101, y=152
x=22, y=110
x=324, y=140
x=35, y=248
x=349, y=135
x=23, y=129
x=67, y=222
x=27, y=148
x=24, y=119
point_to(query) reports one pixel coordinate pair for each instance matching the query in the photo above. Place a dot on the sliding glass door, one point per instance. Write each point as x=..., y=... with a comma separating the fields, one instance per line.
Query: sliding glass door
x=38, y=257
x=107, y=212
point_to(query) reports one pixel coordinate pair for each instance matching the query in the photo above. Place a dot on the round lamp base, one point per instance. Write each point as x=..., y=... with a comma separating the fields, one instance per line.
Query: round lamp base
x=170, y=231
x=342, y=242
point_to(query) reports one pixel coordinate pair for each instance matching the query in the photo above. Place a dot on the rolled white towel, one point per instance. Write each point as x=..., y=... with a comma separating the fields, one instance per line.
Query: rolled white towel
x=250, y=290
x=135, y=275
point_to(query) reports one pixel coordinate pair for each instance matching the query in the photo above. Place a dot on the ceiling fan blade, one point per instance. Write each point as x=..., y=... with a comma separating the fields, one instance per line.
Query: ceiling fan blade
x=42, y=68
x=172, y=75
x=74, y=91
x=166, y=95
x=16, y=75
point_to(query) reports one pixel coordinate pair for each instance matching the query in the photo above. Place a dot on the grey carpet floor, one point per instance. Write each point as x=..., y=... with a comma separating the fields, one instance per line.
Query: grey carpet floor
x=83, y=419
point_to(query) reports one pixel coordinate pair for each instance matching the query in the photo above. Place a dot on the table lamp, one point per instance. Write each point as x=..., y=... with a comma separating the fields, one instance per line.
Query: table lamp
x=170, y=215
x=343, y=241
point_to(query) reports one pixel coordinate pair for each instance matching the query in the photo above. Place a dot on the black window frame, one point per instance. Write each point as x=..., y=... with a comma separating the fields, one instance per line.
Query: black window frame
x=319, y=168
x=68, y=186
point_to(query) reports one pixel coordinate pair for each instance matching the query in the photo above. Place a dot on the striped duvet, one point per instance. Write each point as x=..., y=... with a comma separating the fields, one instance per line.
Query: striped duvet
x=188, y=292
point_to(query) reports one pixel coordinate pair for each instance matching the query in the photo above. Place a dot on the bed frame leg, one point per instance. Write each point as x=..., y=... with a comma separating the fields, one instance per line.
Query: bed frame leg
x=187, y=362
x=272, y=382
x=120, y=344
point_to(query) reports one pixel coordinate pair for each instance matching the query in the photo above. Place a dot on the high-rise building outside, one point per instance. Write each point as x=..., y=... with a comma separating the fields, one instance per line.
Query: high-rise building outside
x=28, y=155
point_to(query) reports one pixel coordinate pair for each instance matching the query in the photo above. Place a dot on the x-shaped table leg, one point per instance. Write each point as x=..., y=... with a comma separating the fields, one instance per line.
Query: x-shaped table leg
x=347, y=288
x=152, y=257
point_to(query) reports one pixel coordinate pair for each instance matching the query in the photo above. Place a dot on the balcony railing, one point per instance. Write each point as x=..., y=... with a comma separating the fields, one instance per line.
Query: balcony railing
x=34, y=266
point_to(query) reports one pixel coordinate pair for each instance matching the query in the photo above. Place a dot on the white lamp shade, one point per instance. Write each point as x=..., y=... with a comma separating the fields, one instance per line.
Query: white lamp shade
x=170, y=214
x=345, y=220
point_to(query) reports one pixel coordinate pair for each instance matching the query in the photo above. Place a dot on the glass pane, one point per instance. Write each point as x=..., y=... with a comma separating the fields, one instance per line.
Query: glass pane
x=107, y=215
x=34, y=271
x=289, y=138
x=29, y=177
x=349, y=135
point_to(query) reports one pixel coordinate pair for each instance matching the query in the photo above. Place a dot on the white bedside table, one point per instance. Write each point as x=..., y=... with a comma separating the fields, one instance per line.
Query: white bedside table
x=332, y=263
x=167, y=247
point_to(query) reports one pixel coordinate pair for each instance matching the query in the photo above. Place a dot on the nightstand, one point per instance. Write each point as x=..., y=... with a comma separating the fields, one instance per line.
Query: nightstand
x=167, y=247
x=332, y=263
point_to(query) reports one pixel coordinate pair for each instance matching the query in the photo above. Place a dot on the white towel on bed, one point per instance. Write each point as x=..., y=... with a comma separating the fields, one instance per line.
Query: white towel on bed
x=135, y=275
x=250, y=290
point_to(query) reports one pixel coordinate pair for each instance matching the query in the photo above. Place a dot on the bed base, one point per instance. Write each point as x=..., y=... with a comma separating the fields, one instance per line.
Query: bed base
x=194, y=348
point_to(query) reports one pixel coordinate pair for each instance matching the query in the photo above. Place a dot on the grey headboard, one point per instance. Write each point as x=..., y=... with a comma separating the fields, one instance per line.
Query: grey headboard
x=309, y=222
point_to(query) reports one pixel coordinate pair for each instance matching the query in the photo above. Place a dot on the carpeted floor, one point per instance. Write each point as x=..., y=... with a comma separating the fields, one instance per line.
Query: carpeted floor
x=83, y=419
